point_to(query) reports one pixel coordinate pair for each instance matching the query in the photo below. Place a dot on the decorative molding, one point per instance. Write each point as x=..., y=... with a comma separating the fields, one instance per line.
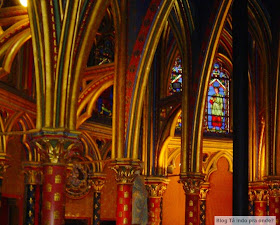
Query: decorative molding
x=77, y=181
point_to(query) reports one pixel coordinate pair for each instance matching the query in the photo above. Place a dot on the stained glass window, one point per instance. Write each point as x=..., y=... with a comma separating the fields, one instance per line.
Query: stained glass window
x=176, y=77
x=105, y=103
x=178, y=127
x=217, y=102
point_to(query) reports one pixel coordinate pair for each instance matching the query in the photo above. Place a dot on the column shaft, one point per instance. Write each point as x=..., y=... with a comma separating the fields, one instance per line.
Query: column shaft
x=124, y=204
x=96, y=207
x=274, y=207
x=38, y=202
x=154, y=210
x=30, y=204
x=53, y=194
x=260, y=208
x=192, y=209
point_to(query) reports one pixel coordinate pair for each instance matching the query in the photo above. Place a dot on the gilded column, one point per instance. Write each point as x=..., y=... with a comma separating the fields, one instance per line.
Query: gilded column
x=156, y=187
x=191, y=184
x=261, y=197
x=274, y=198
x=55, y=149
x=3, y=167
x=125, y=175
x=97, y=182
x=33, y=176
x=202, y=197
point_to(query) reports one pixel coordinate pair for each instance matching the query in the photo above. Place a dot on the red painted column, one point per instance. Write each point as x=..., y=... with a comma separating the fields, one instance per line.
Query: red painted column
x=260, y=200
x=191, y=184
x=124, y=204
x=154, y=210
x=53, y=209
x=125, y=176
x=274, y=197
x=156, y=187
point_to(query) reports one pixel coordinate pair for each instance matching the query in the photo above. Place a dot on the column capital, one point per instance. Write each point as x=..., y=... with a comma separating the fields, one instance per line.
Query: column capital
x=204, y=188
x=156, y=186
x=33, y=172
x=4, y=164
x=273, y=183
x=191, y=182
x=97, y=181
x=125, y=170
x=251, y=195
x=55, y=145
x=260, y=190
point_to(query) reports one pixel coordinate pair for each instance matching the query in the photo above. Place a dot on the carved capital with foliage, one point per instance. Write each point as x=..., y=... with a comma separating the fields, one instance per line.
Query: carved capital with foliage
x=192, y=182
x=261, y=194
x=33, y=173
x=97, y=181
x=259, y=190
x=204, y=188
x=4, y=164
x=125, y=171
x=56, y=147
x=156, y=186
x=251, y=195
x=274, y=185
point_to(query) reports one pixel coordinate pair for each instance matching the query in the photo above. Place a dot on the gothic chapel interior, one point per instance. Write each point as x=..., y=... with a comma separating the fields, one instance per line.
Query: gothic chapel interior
x=138, y=111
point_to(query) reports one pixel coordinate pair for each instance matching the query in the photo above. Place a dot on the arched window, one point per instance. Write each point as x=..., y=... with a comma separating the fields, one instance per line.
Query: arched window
x=176, y=77
x=217, y=102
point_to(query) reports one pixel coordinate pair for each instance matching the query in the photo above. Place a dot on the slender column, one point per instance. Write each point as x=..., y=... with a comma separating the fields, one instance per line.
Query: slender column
x=33, y=174
x=202, y=197
x=191, y=184
x=38, y=205
x=240, y=109
x=274, y=198
x=156, y=187
x=97, y=182
x=3, y=167
x=260, y=200
x=125, y=175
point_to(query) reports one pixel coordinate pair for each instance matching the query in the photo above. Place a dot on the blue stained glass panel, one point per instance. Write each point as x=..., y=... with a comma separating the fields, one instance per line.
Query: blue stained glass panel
x=176, y=77
x=217, y=102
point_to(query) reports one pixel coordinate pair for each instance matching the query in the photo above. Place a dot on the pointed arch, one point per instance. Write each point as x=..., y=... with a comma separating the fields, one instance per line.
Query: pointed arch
x=212, y=46
x=142, y=77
